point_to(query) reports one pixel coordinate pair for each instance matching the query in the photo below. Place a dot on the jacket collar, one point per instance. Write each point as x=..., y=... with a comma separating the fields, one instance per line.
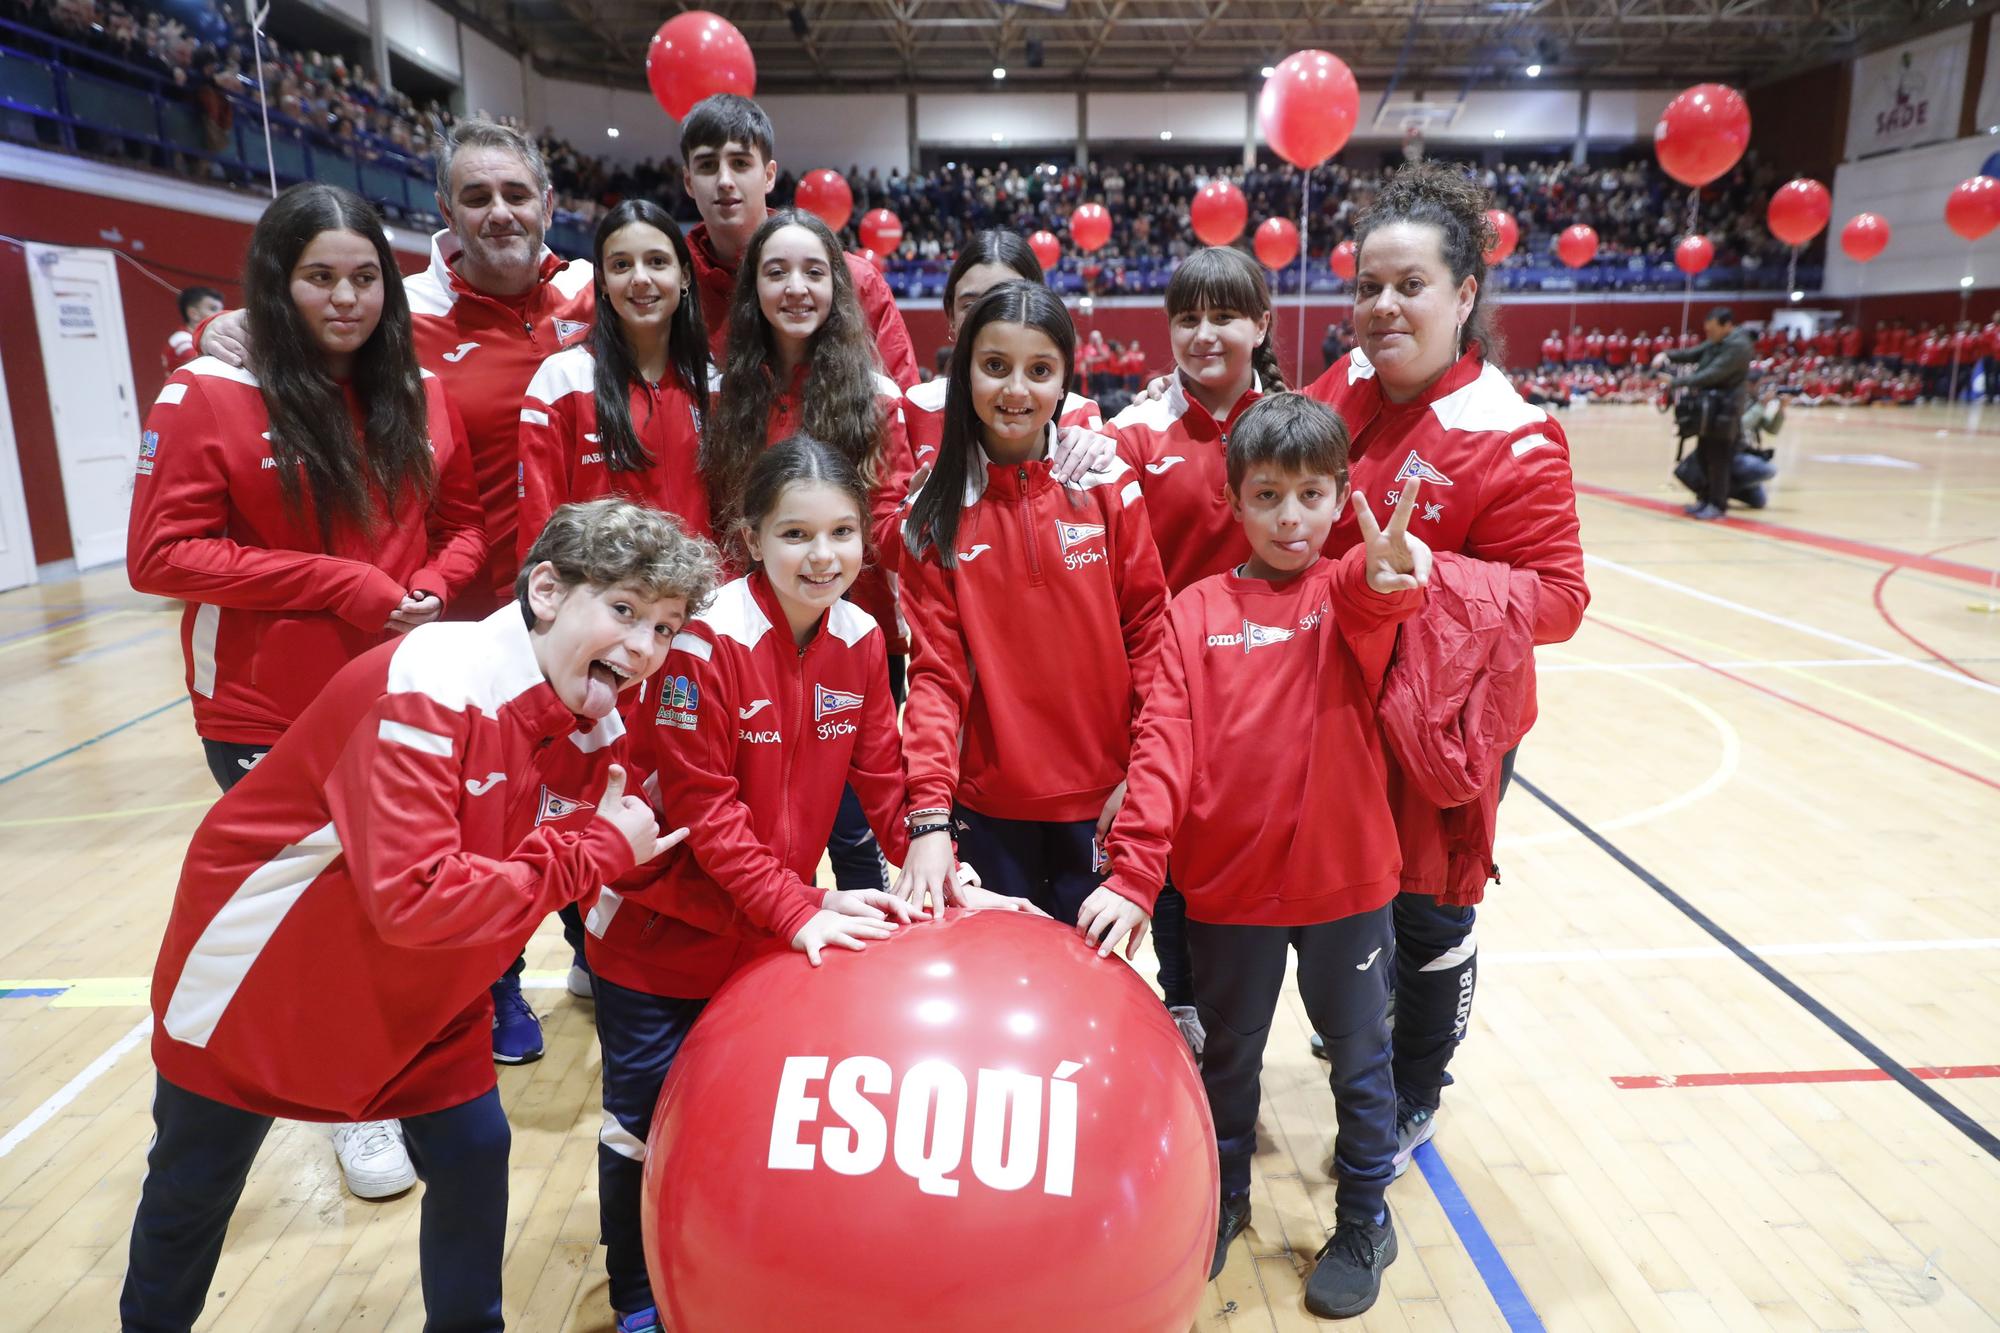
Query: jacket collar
x=1187, y=408
x=1005, y=480
x=767, y=601
x=511, y=655
x=1358, y=397
x=445, y=250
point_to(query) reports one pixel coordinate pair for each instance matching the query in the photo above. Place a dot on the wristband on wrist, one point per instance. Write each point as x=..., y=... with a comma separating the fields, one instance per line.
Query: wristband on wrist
x=922, y=830
x=928, y=815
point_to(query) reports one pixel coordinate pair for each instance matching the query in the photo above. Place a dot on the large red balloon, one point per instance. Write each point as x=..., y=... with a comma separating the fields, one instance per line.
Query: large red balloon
x=1218, y=213
x=825, y=195
x=1693, y=254
x=1506, y=235
x=1276, y=242
x=1341, y=261
x=880, y=261
x=1798, y=209
x=881, y=231
x=1577, y=245
x=1090, y=227
x=1864, y=237
x=1973, y=207
x=1047, y=248
x=1702, y=133
x=1021, y=1114
x=695, y=55
x=1308, y=107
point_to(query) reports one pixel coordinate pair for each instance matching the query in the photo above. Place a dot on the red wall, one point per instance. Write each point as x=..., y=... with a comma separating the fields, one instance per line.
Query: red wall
x=184, y=249
x=1522, y=324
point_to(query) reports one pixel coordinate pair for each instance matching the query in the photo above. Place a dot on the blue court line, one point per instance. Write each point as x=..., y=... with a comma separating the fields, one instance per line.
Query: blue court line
x=32, y=992
x=82, y=745
x=44, y=629
x=1485, y=1255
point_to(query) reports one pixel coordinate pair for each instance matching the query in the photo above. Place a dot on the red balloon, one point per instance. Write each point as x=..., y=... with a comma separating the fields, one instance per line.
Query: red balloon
x=881, y=231
x=1276, y=242
x=1506, y=235
x=1702, y=133
x=1219, y=212
x=985, y=1086
x=695, y=55
x=880, y=261
x=1308, y=107
x=1047, y=248
x=1864, y=237
x=1693, y=254
x=1341, y=261
x=825, y=195
x=1577, y=245
x=1973, y=207
x=1090, y=227
x=1798, y=209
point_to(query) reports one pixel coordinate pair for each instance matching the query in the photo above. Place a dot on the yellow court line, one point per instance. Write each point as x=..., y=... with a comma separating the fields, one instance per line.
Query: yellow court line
x=120, y=992
x=107, y=814
x=1725, y=768
x=61, y=630
x=1949, y=733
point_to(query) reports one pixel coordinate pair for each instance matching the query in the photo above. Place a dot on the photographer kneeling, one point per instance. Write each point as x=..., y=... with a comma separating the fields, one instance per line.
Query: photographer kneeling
x=1721, y=365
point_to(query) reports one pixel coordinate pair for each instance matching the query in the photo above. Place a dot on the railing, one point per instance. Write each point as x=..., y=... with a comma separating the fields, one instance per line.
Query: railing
x=56, y=93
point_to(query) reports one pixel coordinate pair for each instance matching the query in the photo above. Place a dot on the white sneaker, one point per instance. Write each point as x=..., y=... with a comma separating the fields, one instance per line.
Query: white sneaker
x=579, y=981
x=1189, y=1022
x=373, y=1159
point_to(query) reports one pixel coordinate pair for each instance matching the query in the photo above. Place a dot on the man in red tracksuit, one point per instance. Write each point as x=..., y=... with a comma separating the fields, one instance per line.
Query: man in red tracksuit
x=196, y=305
x=1266, y=682
x=727, y=147
x=342, y=910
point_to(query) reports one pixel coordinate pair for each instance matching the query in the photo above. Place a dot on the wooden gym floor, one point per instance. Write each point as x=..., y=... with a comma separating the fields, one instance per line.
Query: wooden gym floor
x=1733, y=1060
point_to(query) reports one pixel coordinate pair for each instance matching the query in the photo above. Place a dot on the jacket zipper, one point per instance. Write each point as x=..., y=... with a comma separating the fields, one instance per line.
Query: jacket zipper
x=1028, y=526
x=791, y=749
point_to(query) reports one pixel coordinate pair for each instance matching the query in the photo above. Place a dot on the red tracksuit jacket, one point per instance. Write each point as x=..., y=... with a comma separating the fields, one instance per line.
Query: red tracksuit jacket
x=1496, y=486
x=486, y=349
x=1258, y=771
x=749, y=746
x=271, y=613
x=1178, y=451
x=562, y=460
x=344, y=908
x=1028, y=658
x=180, y=350
x=871, y=289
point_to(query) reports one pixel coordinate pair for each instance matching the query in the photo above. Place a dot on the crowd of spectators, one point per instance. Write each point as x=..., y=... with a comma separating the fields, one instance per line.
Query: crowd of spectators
x=202, y=51
x=1835, y=365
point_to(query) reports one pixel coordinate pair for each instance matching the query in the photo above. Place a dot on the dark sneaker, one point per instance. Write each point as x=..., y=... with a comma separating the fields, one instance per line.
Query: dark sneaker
x=1317, y=1044
x=1235, y=1217
x=639, y=1321
x=517, y=1033
x=1705, y=512
x=1413, y=1130
x=1348, y=1276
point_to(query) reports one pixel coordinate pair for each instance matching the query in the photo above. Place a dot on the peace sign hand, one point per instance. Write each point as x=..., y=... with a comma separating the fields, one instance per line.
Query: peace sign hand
x=1398, y=560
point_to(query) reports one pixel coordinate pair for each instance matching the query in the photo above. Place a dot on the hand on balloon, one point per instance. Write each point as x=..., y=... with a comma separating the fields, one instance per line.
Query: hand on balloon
x=871, y=905
x=926, y=871
x=227, y=338
x=1108, y=918
x=1079, y=450
x=1398, y=560
x=828, y=929
x=969, y=893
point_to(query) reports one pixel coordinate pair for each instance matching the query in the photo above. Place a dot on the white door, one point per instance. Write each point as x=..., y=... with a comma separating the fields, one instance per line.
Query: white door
x=17, y=552
x=89, y=369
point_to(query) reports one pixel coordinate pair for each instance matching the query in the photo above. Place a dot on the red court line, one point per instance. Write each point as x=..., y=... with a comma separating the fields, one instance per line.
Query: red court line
x=1780, y=695
x=1893, y=624
x=1868, y=1075
x=1819, y=541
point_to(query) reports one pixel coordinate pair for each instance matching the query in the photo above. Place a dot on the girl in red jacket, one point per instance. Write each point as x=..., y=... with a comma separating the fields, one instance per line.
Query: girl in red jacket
x=800, y=359
x=988, y=259
x=1424, y=404
x=1034, y=608
x=772, y=700
x=623, y=414
x=306, y=508
x=342, y=911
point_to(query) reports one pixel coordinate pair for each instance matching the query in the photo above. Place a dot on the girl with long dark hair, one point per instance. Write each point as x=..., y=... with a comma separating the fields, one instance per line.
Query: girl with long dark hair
x=306, y=508
x=997, y=553
x=623, y=414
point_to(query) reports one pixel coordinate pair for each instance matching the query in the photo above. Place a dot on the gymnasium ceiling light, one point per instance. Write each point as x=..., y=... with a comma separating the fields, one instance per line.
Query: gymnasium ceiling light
x=999, y=71
x=1533, y=71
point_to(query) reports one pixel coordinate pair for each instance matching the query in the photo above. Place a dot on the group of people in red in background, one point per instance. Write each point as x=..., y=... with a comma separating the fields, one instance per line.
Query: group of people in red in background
x=1838, y=364
x=1109, y=365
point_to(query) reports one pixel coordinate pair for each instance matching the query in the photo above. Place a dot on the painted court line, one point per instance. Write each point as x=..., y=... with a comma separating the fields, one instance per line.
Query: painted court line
x=1826, y=949
x=1766, y=1077
x=102, y=735
x=1479, y=1246
x=1881, y=654
x=1947, y=1110
x=71, y=1090
x=1796, y=664
x=1818, y=541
